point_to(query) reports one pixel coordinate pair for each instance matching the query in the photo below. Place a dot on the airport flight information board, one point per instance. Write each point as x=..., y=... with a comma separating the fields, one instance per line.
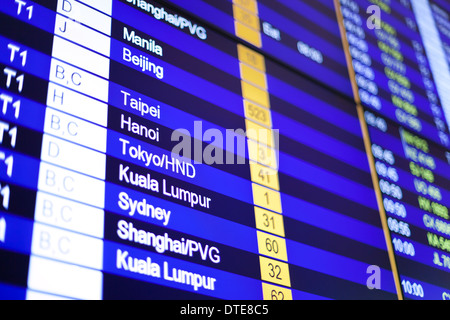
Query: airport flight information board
x=224, y=149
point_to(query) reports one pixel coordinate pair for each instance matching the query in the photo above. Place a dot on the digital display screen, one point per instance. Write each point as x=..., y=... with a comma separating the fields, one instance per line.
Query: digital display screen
x=224, y=149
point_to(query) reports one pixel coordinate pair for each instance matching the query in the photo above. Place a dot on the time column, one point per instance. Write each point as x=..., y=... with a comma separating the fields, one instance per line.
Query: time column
x=67, y=241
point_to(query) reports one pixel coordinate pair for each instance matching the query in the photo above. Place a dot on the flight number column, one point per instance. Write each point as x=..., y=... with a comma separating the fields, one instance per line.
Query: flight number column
x=262, y=156
x=435, y=50
x=67, y=246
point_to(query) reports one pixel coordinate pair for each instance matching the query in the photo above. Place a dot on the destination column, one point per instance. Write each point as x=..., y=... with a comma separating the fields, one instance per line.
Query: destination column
x=67, y=246
x=262, y=154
